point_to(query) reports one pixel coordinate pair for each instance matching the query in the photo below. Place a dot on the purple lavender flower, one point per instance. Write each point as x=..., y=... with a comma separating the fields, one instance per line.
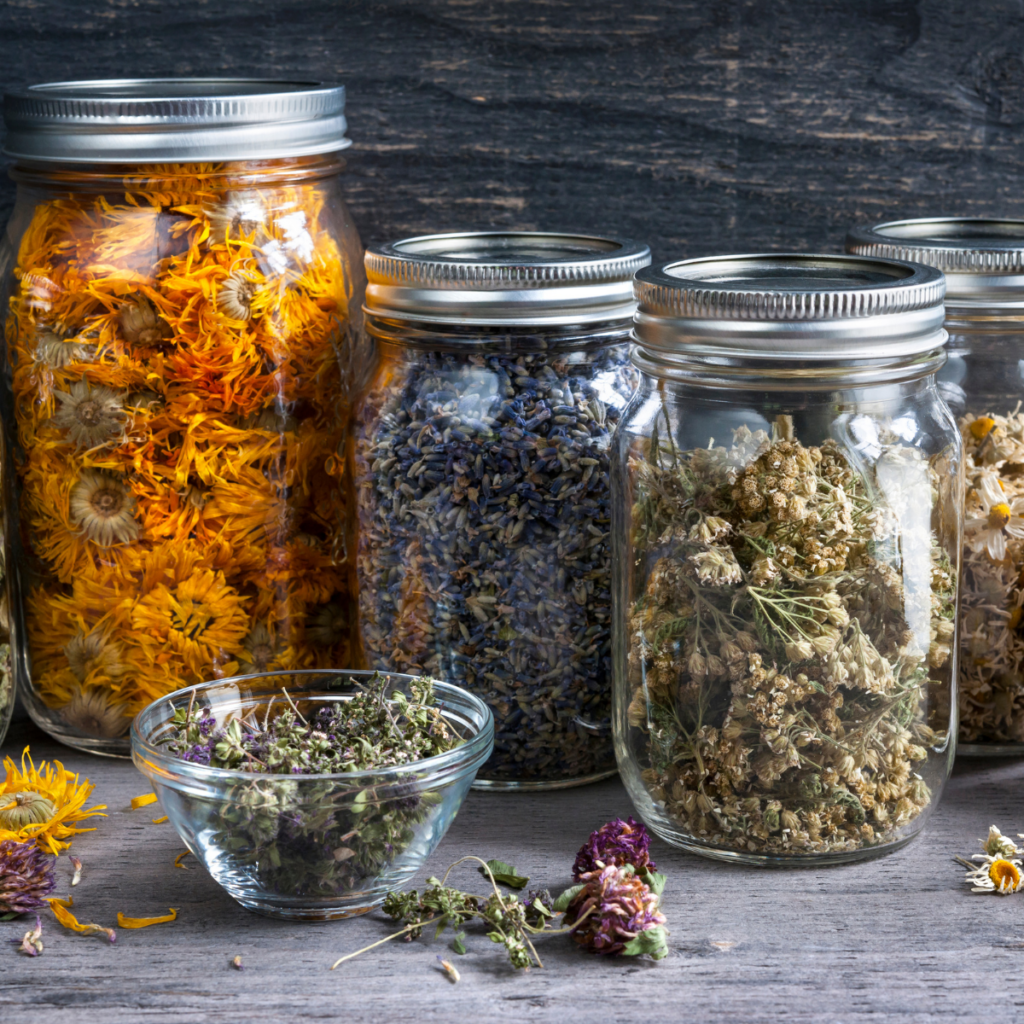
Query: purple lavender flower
x=26, y=877
x=612, y=909
x=618, y=843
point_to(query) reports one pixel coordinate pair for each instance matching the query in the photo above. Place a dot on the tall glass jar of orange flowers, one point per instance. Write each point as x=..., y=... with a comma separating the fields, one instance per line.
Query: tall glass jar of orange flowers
x=182, y=287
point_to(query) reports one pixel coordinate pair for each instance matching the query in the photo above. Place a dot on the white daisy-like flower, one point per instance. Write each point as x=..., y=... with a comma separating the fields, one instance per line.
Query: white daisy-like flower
x=998, y=845
x=995, y=874
x=1001, y=519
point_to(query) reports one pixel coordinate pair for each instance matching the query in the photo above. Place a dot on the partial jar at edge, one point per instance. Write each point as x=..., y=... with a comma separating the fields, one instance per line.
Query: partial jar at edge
x=983, y=382
x=786, y=487
x=182, y=340
x=481, y=473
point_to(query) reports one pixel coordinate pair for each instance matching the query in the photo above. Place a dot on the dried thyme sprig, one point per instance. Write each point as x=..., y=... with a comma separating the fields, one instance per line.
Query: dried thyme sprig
x=612, y=908
x=371, y=730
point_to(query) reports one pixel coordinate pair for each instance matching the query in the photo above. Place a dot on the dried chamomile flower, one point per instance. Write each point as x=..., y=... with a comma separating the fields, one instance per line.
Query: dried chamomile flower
x=104, y=509
x=88, y=415
x=995, y=874
x=998, y=845
x=31, y=943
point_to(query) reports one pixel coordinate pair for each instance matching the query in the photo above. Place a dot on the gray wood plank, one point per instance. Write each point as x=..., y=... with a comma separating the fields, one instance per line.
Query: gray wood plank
x=896, y=939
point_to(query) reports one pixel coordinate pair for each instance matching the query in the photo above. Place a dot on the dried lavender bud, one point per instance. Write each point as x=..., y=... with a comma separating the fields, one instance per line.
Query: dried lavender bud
x=482, y=481
x=617, y=843
x=26, y=877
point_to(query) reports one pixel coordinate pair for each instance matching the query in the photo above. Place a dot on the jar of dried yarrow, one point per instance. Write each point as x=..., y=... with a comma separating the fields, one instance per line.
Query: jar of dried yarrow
x=481, y=473
x=786, y=488
x=983, y=382
x=182, y=291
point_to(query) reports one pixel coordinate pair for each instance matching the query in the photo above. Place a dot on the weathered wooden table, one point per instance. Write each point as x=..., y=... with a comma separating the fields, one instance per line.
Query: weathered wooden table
x=897, y=938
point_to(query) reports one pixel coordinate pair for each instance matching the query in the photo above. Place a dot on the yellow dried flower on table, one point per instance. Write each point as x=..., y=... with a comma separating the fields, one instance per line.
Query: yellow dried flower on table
x=182, y=367
x=43, y=804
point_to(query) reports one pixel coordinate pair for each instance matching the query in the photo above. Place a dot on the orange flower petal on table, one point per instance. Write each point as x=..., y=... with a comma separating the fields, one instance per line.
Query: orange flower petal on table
x=69, y=921
x=145, y=922
x=160, y=821
x=181, y=856
x=143, y=801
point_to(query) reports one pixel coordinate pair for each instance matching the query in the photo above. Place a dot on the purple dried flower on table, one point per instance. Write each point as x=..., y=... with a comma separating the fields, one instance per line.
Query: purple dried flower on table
x=613, y=910
x=26, y=877
x=619, y=842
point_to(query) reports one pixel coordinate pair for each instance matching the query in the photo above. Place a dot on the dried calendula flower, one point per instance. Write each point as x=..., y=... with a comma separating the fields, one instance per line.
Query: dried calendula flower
x=54, y=799
x=88, y=415
x=141, y=324
x=143, y=801
x=103, y=508
x=235, y=296
x=94, y=712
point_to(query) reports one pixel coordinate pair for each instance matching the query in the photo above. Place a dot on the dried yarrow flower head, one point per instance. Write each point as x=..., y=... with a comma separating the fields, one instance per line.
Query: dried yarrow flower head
x=618, y=843
x=784, y=679
x=615, y=912
x=26, y=877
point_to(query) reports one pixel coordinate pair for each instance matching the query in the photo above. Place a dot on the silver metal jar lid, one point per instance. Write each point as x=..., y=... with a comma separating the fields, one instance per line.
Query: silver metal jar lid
x=147, y=120
x=500, y=277
x=983, y=259
x=789, y=306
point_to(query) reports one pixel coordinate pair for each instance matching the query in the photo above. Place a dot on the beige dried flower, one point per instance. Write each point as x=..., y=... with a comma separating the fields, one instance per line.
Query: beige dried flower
x=88, y=415
x=95, y=713
x=141, y=324
x=103, y=508
x=235, y=296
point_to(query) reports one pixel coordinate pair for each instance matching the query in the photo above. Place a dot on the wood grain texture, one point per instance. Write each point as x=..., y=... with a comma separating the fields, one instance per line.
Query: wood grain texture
x=699, y=127
x=897, y=939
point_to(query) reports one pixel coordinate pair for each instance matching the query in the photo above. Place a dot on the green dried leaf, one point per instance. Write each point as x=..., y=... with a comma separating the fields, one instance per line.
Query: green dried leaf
x=505, y=874
x=654, y=881
x=562, y=903
x=653, y=943
x=457, y=945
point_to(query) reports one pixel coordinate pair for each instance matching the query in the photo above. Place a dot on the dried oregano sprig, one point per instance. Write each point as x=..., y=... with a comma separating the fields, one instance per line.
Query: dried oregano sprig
x=318, y=838
x=373, y=729
x=613, y=908
x=791, y=620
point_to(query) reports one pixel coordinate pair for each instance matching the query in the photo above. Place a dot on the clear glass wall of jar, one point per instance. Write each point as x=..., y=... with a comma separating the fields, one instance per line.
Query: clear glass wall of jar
x=983, y=383
x=481, y=469
x=182, y=317
x=786, y=487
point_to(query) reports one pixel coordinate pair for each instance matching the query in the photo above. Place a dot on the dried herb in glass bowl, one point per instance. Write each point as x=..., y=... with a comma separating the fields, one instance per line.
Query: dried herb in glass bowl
x=311, y=795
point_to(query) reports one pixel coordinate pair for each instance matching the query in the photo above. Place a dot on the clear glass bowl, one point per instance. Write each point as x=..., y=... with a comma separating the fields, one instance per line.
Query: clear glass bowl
x=310, y=847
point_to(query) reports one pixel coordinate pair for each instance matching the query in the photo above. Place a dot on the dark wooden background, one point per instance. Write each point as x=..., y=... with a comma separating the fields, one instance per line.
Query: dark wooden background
x=721, y=125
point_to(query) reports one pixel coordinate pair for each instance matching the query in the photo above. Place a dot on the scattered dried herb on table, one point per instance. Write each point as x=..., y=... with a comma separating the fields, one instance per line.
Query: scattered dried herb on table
x=176, y=349
x=322, y=838
x=992, y=595
x=482, y=482
x=788, y=641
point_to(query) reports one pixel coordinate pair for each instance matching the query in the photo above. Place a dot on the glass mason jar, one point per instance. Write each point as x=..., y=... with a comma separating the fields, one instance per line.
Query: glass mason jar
x=786, y=487
x=481, y=474
x=983, y=383
x=182, y=293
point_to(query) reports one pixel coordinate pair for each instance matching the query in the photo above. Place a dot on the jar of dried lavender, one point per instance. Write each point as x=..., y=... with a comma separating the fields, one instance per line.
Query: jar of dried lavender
x=983, y=382
x=481, y=472
x=181, y=292
x=786, y=488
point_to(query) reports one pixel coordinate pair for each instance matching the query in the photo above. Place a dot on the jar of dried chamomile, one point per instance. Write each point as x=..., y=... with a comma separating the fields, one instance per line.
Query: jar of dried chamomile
x=182, y=290
x=786, y=500
x=983, y=382
x=481, y=473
